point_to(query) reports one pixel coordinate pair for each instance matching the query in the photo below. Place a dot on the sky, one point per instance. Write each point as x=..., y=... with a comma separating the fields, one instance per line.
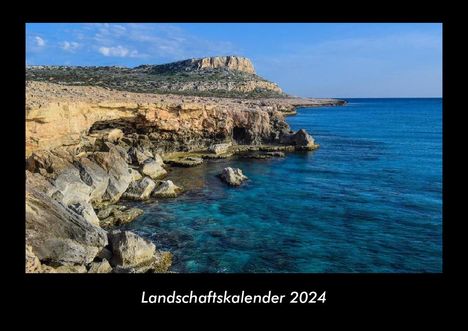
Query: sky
x=306, y=59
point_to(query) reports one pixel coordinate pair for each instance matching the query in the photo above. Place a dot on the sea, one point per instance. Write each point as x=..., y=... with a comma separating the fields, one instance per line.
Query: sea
x=369, y=200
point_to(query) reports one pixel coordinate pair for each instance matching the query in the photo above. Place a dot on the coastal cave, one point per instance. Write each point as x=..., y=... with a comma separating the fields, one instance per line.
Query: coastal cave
x=240, y=135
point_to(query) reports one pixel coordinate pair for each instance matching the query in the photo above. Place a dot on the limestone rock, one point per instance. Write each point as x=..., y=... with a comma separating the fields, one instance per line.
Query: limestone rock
x=300, y=139
x=56, y=233
x=138, y=155
x=152, y=169
x=117, y=169
x=71, y=269
x=136, y=176
x=233, y=176
x=130, y=250
x=33, y=265
x=140, y=190
x=116, y=216
x=101, y=267
x=220, y=148
x=167, y=189
x=115, y=135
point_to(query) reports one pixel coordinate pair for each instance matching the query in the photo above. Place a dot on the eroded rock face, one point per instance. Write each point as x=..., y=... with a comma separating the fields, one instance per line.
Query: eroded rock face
x=56, y=233
x=230, y=62
x=170, y=123
x=233, y=176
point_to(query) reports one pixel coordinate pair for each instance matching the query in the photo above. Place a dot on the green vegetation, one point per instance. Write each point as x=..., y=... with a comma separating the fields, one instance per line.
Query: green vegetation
x=150, y=79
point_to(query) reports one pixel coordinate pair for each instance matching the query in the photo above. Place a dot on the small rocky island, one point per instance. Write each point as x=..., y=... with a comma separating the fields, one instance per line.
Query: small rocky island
x=98, y=136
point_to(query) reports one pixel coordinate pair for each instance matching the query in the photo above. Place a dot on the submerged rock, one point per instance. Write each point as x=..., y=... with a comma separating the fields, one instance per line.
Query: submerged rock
x=167, y=189
x=233, y=176
x=134, y=254
x=188, y=161
x=140, y=190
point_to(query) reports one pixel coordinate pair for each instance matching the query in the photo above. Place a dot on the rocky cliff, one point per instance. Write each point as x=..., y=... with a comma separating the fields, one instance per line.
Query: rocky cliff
x=237, y=63
x=89, y=148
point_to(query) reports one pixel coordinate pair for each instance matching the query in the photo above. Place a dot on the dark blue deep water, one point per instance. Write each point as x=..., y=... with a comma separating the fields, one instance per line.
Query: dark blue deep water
x=369, y=200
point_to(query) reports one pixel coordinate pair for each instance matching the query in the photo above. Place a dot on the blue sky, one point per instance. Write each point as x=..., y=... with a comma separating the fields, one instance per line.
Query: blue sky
x=315, y=60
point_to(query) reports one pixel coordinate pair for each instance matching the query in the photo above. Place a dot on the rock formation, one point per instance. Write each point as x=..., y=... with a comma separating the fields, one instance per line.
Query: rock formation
x=233, y=176
x=88, y=147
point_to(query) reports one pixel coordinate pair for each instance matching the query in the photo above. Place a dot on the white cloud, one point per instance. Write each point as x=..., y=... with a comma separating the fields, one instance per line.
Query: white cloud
x=70, y=46
x=118, y=51
x=39, y=41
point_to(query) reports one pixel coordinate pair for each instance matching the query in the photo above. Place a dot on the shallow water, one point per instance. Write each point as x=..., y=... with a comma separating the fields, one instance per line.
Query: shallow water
x=369, y=200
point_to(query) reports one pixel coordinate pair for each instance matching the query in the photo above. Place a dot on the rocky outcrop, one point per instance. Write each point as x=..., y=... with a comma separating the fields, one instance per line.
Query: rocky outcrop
x=301, y=140
x=57, y=234
x=229, y=62
x=233, y=176
x=87, y=147
x=167, y=189
x=82, y=114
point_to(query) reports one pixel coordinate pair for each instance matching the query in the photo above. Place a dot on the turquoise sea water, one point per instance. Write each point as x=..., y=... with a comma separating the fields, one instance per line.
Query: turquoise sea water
x=369, y=200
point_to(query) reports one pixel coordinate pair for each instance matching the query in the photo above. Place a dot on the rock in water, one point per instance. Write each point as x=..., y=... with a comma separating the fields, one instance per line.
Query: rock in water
x=152, y=169
x=133, y=254
x=140, y=190
x=300, y=139
x=233, y=176
x=167, y=189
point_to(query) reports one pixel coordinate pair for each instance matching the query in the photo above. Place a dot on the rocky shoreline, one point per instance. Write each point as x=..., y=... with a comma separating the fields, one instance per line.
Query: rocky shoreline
x=88, y=149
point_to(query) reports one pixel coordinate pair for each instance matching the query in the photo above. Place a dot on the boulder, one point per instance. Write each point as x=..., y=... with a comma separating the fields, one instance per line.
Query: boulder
x=117, y=169
x=300, y=139
x=138, y=155
x=101, y=267
x=140, y=190
x=115, y=135
x=152, y=169
x=135, y=174
x=129, y=249
x=219, y=148
x=55, y=233
x=167, y=189
x=233, y=176
x=118, y=215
